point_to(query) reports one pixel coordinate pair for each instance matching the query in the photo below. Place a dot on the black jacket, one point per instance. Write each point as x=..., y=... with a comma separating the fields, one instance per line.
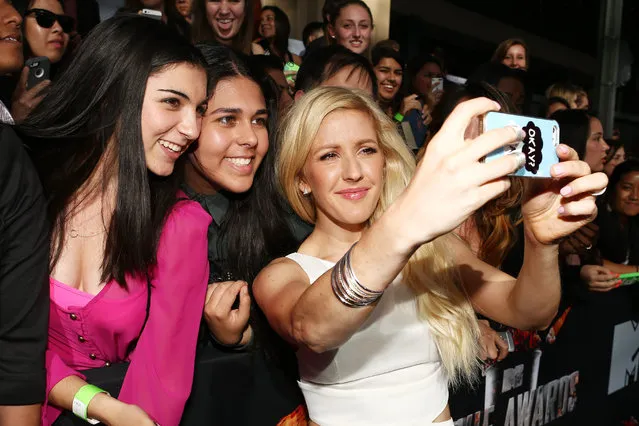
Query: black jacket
x=24, y=271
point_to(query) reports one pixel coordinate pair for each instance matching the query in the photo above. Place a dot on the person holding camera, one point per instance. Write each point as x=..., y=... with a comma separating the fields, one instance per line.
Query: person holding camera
x=374, y=300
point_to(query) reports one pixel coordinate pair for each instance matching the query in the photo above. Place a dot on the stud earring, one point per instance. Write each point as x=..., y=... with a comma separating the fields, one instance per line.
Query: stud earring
x=306, y=191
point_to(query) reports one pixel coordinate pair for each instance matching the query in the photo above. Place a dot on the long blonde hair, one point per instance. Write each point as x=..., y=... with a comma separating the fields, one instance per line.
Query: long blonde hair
x=430, y=273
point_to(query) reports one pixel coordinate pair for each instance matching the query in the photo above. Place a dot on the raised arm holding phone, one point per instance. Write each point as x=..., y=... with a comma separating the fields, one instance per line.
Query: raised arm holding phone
x=376, y=249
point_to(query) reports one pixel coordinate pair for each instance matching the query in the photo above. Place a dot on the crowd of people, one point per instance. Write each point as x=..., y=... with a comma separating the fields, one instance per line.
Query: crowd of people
x=183, y=184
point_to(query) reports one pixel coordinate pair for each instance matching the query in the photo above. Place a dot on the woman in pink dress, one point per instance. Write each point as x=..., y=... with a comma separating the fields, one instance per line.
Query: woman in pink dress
x=128, y=256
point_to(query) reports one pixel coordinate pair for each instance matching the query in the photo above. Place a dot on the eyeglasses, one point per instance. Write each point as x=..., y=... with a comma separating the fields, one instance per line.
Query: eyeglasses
x=46, y=19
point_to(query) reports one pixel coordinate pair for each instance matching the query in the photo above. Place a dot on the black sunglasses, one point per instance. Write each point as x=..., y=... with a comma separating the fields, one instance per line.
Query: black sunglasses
x=46, y=19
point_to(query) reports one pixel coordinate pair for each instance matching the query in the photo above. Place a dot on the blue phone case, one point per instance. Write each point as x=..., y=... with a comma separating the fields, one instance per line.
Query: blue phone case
x=539, y=145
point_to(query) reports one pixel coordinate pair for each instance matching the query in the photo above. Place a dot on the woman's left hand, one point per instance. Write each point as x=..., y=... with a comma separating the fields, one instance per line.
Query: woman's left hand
x=557, y=207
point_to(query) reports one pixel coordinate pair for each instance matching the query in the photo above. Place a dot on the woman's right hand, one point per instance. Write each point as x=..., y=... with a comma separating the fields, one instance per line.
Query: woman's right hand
x=451, y=182
x=599, y=278
x=224, y=322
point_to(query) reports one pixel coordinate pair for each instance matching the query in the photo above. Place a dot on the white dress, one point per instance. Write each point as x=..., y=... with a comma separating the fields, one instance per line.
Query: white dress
x=388, y=373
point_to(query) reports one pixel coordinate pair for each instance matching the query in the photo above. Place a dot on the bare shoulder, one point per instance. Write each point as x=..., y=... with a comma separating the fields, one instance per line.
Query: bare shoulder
x=278, y=275
x=281, y=271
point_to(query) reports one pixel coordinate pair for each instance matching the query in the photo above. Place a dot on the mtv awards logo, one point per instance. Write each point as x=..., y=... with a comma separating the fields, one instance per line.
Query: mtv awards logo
x=513, y=396
x=624, y=366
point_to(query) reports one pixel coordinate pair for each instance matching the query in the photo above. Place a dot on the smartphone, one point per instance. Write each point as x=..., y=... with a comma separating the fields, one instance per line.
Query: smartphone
x=151, y=13
x=437, y=84
x=539, y=144
x=628, y=279
x=39, y=70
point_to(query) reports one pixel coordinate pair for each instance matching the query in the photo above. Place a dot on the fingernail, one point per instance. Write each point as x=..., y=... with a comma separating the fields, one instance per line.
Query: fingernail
x=561, y=210
x=566, y=190
x=497, y=105
x=519, y=132
x=563, y=149
x=558, y=170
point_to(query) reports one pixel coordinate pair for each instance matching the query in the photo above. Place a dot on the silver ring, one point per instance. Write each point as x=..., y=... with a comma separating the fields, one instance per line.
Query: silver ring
x=589, y=247
x=596, y=194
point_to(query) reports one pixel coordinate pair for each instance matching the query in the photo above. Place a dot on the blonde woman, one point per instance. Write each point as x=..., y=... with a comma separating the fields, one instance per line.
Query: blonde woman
x=380, y=316
x=569, y=92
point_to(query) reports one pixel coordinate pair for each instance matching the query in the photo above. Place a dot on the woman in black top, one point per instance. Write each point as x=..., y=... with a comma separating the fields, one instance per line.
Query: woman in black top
x=230, y=173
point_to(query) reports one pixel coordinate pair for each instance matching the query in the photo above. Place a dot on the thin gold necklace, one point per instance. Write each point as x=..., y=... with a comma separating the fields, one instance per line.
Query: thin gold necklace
x=73, y=233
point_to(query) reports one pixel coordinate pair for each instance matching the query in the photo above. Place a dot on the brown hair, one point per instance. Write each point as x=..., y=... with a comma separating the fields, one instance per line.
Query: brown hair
x=502, y=49
x=495, y=221
x=202, y=31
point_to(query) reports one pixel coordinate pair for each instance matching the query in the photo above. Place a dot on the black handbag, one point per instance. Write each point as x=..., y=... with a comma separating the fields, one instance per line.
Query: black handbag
x=108, y=378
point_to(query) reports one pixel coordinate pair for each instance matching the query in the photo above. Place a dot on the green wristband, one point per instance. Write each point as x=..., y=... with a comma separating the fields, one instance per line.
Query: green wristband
x=82, y=399
x=399, y=117
x=629, y=275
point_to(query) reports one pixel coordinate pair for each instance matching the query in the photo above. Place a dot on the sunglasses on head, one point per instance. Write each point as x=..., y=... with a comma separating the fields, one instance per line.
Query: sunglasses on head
x=46, y=19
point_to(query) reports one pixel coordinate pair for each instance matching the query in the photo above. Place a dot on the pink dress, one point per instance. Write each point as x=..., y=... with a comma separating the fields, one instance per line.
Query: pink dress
x=98, y=334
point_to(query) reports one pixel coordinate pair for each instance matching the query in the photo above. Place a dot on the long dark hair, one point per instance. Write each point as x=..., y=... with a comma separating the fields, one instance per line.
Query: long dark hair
x=91, y=117
x=282, y=31
x=575, y=129
x=202, y=31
